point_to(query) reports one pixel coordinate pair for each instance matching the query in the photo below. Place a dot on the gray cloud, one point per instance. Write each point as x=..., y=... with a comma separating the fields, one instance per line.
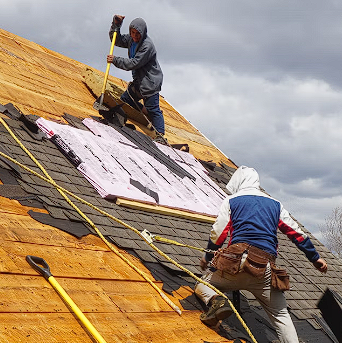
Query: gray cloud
x=289, y=130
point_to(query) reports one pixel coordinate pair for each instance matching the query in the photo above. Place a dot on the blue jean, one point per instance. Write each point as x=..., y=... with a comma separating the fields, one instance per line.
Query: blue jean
x=152, y=106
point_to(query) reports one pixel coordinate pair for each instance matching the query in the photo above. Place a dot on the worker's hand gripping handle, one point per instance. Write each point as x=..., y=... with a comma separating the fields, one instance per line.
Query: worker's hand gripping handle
x=39, y=265
x=118, y=19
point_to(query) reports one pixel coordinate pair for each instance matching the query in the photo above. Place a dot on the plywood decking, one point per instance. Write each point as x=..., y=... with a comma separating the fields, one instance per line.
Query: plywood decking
x=119, y=302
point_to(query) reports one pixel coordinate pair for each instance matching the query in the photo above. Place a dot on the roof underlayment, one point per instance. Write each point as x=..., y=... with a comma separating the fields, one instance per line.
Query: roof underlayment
x=37, y=220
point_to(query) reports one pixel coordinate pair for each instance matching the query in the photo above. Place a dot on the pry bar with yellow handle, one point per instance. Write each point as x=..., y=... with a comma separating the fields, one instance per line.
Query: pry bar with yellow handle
x=98, y=104
x=40, y=266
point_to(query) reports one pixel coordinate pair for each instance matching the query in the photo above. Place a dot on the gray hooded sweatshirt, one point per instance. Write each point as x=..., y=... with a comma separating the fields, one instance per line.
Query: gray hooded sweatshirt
x=146, y=72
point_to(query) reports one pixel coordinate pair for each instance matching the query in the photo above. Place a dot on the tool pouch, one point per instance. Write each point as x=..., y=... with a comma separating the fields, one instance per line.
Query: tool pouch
x=229, y=259
x=280, y=278
x=255, y=264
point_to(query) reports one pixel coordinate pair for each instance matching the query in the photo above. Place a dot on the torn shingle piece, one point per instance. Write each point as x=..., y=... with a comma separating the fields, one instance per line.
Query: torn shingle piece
x=175, y=269
x=12, y=191
x=170, y=266
x=74, y=121
x=56, y=212
x=46, y=200
x=76, y=229
x=12, y=111
x=115, y=232
x=145, y=256
x=31, y=201
x=144, y=189
x=124, y=243
x=3, y=109
x=100, y=220
x=16, y=192
x=73, y=216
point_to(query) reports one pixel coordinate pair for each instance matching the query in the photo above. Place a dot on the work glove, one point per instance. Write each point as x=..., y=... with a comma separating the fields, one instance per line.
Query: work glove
x=118, y=19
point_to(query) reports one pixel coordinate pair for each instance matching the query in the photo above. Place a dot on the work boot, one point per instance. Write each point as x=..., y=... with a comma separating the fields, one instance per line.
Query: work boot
x=218, y=310
x=161, y=140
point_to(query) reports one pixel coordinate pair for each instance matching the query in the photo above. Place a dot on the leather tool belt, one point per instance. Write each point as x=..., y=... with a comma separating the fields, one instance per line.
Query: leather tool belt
x=229, y=260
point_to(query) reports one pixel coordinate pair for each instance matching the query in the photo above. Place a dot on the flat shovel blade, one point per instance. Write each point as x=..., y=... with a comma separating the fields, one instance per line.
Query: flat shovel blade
x=98, y=104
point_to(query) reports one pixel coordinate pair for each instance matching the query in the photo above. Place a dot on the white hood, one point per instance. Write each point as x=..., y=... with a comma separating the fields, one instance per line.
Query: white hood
x=244, y=179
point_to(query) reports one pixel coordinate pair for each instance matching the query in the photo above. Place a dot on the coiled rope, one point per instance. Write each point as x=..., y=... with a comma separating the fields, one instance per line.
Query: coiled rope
x=64, y=192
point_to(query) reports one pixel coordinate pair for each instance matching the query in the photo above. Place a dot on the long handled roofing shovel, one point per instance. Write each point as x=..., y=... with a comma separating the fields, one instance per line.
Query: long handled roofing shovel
x=40, y=265
x=98, y=104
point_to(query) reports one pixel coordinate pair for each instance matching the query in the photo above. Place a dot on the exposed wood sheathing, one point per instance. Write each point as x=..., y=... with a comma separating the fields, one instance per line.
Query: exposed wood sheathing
x=118, y=302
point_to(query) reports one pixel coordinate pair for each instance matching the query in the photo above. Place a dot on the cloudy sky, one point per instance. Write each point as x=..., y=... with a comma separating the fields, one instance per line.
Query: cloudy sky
x=261, y=79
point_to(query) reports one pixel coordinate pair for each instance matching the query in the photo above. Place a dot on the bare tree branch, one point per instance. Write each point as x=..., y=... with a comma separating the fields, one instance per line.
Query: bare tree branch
x=332, y=231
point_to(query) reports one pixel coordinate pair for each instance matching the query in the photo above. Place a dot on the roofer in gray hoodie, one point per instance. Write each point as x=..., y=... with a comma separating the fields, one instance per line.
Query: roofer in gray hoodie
x=146, y=72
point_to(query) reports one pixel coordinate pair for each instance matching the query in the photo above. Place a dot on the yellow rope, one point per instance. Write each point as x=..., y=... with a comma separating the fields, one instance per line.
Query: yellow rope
x=170, y=241
x=52, y=182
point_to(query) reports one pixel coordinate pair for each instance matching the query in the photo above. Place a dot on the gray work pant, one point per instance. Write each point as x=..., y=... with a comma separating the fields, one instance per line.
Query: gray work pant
x=273, y=301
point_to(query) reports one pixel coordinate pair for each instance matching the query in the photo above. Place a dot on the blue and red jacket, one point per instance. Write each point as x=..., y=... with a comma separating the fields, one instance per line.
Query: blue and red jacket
x=251, y=216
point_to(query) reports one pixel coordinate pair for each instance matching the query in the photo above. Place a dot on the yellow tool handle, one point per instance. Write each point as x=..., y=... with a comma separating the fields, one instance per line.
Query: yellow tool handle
x=41, y=266
x=76, y=310
x=108, y=64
